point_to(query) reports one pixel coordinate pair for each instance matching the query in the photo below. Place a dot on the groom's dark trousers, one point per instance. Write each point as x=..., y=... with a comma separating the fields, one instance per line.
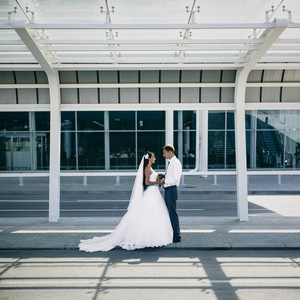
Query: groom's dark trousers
x=171, y=196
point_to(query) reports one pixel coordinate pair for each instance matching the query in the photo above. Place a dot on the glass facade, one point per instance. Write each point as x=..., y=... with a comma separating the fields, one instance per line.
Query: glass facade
x=273, y=139
x=116, y=140
x=185, y=137
x=221, y=140
x=24, y=141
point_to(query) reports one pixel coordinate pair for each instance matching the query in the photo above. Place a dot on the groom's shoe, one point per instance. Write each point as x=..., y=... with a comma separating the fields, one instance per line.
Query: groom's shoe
x=177, y=240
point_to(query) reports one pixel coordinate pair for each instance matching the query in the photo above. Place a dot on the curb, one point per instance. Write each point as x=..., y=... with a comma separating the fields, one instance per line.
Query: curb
x=149, y=249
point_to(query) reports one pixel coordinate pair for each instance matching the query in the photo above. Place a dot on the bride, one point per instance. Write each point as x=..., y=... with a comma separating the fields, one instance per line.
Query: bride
x=146, y=222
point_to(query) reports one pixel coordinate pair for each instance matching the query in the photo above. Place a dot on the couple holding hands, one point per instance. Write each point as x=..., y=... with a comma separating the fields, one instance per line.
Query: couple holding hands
x=150, y=220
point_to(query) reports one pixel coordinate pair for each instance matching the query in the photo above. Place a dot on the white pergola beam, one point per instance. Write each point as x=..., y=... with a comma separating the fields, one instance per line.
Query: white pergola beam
x=154, y=47
x=147, y=42
x=105, y=26
x=148, y=59
x=22, y=31
x=270, y=36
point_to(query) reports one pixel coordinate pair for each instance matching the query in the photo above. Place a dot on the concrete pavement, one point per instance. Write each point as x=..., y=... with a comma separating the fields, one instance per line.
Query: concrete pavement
x=157, y=274
x=197, y=232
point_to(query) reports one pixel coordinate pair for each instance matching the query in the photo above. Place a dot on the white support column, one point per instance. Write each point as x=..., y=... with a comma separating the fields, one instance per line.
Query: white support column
x=106, y=141
x=55, y=122
x=55, y=140
x=269, y=36
x=202, y=128
x=240, y=146
x=169, y=127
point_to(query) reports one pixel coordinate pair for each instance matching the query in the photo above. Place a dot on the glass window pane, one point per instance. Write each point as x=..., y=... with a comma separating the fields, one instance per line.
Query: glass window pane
x=216, y=120
x=189, y=120
x=292, y=149
x=216, y=145
x=42, y=150
x=230, y=120
x=151, y=120
x=14, y=121
x=67, y=120
x=154, y=142
x=90, y=120
x=230, y=149
x=68, y=152
x=119, y=120
x=269, y=149
x=270, y=119
x=122, y=150
x=292, y=119
x=42, y=121
x=185, y=146
x=91, y=150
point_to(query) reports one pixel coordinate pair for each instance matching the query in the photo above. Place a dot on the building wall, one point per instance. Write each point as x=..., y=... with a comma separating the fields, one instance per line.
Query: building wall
x=115, y=138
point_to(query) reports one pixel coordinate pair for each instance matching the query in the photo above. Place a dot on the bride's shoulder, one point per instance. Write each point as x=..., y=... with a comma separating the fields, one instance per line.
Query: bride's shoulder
x=148, y=171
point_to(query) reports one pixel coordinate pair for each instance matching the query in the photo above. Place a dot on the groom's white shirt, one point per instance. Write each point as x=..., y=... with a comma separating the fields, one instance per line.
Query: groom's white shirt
x=173, y=172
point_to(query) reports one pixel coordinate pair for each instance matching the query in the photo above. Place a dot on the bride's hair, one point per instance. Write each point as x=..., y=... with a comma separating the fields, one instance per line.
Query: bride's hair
x=146, y=161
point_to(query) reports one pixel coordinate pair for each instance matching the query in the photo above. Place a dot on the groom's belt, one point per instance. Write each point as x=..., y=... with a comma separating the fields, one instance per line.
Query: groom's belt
x=171, y=186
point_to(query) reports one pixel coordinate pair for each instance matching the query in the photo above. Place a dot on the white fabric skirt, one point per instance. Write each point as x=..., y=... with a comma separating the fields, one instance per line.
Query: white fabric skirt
x=144, y=225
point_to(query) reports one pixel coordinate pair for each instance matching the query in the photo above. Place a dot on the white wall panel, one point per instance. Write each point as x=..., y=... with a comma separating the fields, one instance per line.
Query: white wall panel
x=272, y=75
x=69, y=96
x=291, y=94
x=149, y=76
x=190, y=95
x=129, y=77
x=170, y=95
x=291, y=75
x=8, y=96
x=149, y=95
x=270, y=94
x=190, y=76
x=169, y=76
x=252, y=94
x=129, y=95
x=108, y=76
x=228, y=76
x=254, y=76
x=227, y=95
x=87, y=76
x=211, y=76
x=6, y=77
x=109, y=96
x=27, y=96
x=88, y=96
x=44, y=97
x=210, y=95
x=25, y=77
x=67, y=77
x=41, y=77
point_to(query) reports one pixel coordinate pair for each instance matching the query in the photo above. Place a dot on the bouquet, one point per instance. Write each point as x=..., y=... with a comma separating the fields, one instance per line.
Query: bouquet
x=160, y=176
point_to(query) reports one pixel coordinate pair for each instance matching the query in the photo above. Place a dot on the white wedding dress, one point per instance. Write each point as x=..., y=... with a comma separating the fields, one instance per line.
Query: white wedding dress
x=145, y=224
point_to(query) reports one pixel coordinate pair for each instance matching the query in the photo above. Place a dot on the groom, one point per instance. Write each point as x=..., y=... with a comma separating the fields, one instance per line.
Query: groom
x=171, y=182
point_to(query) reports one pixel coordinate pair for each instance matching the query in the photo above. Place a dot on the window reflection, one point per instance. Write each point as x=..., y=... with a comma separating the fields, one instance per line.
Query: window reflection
x=185, y=137
x=24, y=141
x=122, y=150
x=273, y=139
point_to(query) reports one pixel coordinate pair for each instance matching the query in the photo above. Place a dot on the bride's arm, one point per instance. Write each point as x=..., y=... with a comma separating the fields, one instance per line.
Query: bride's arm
x=147, y=179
